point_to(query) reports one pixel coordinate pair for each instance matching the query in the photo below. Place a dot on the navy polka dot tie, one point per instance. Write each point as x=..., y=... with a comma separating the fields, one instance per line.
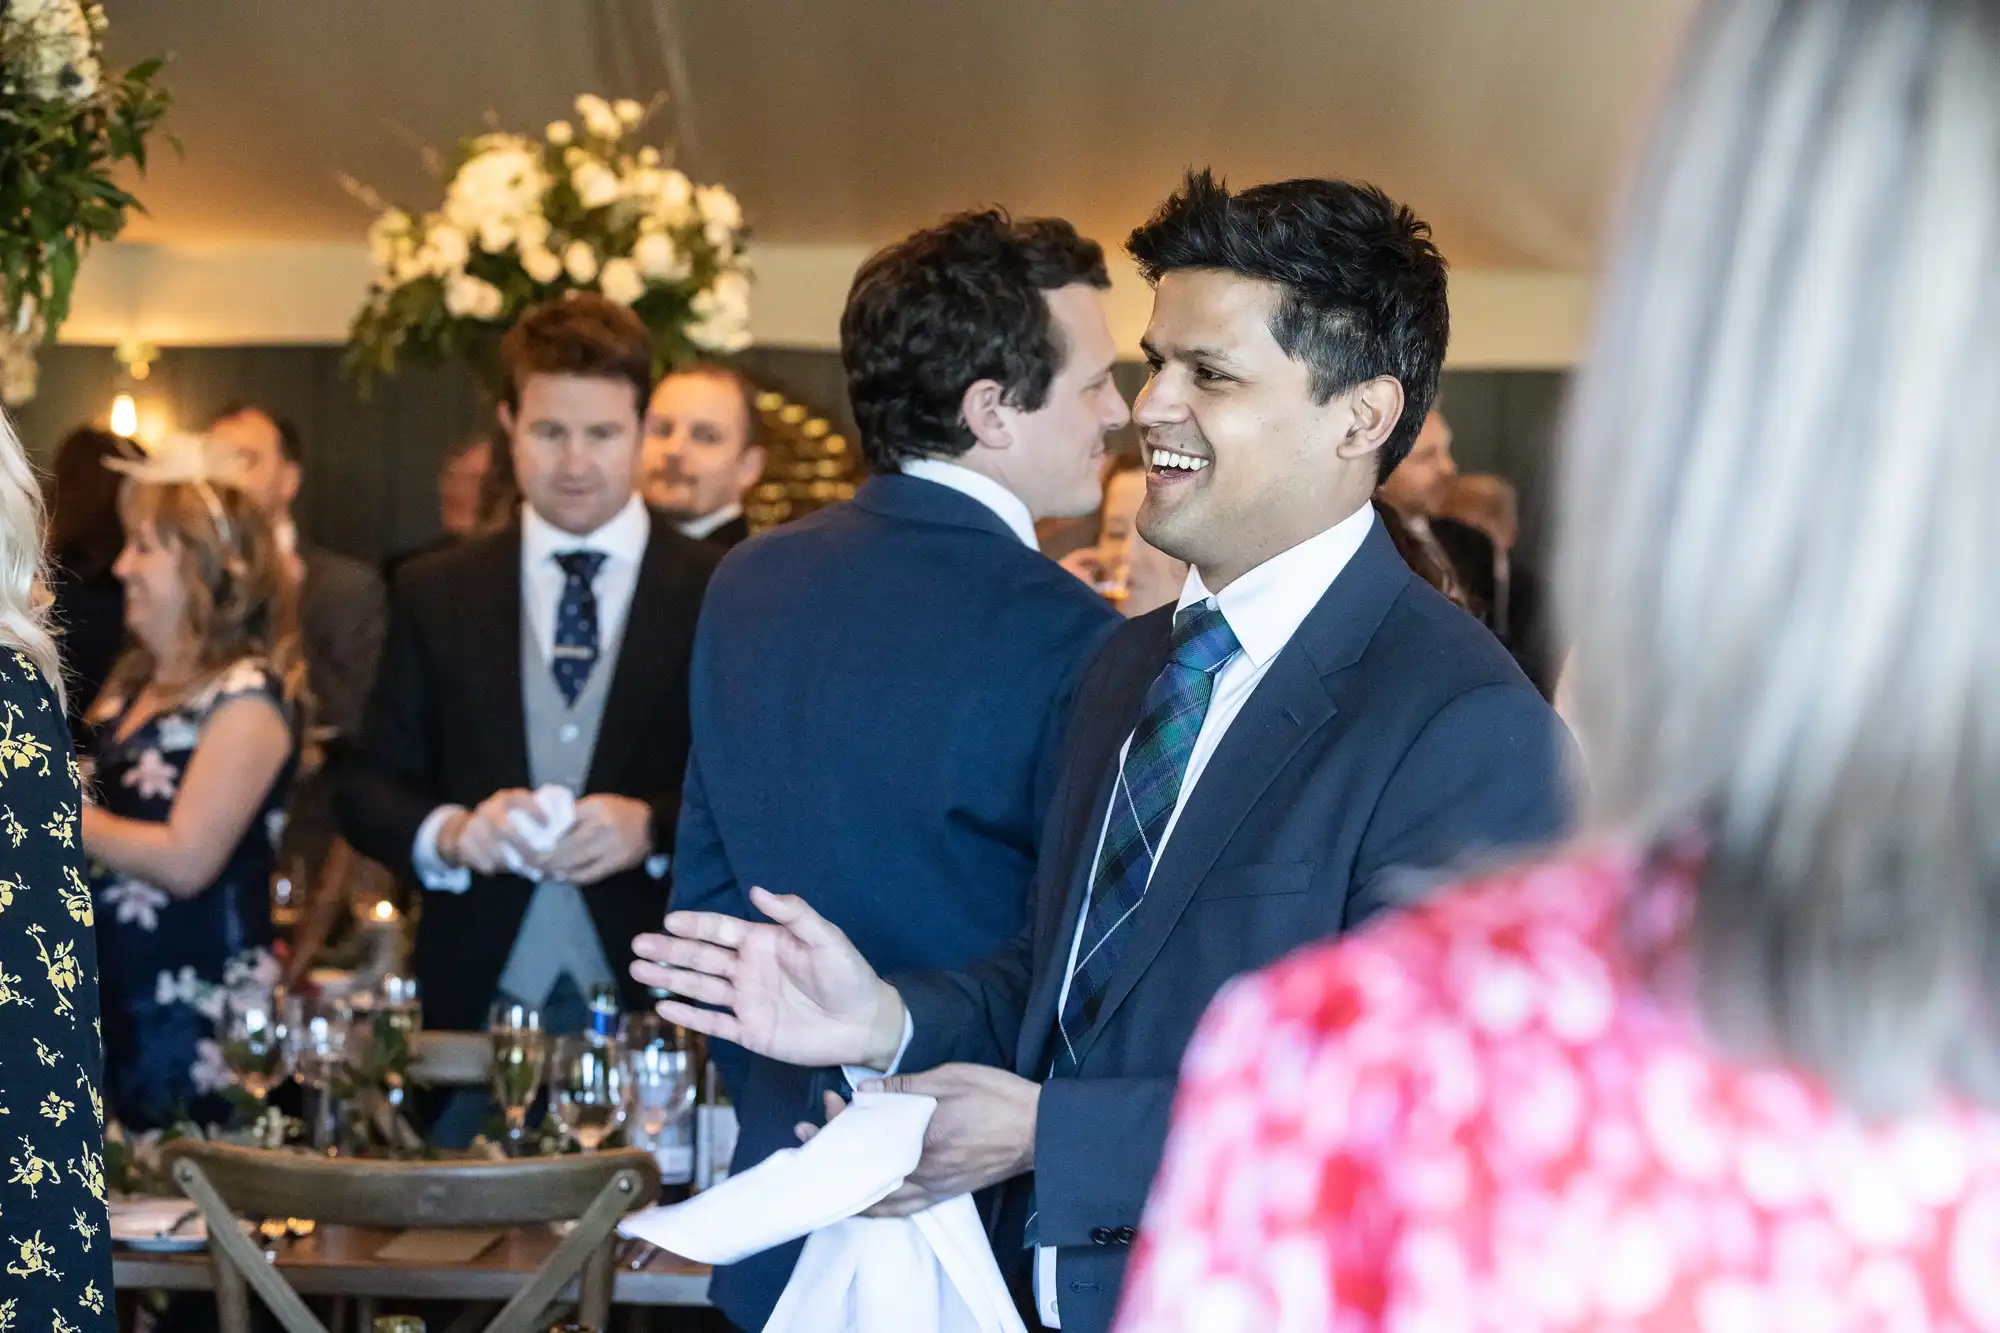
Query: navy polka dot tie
x=576, y=622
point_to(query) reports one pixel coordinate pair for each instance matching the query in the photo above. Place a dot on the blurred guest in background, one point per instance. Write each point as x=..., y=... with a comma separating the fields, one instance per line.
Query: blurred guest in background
x=343, y=611
x=196, y=744
x=531, y=673
x=702, y=453
x=85, y=535
x=51, y=1066
x=1132, y=573
x=1733, y=1063
x=915, y=638
x=461, y=481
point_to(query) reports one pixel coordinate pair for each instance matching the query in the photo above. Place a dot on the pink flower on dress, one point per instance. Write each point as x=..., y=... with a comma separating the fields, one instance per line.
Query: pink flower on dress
x=153, y=777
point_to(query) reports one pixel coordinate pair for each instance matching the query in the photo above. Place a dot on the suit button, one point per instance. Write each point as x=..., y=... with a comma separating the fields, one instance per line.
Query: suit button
x=1082, y=1288
x=568, y=734
x=1126, y=1235
x=1102, y=1235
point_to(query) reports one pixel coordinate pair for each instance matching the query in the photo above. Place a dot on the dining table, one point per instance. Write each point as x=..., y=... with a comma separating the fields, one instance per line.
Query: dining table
x=345, y=1261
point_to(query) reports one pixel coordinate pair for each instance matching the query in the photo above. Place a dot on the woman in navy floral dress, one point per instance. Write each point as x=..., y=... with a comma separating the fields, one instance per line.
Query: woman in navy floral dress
x=194, y=759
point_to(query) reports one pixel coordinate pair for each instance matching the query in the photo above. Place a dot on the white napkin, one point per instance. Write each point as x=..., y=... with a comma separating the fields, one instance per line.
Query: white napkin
x=930, y=1273
x=556, y=807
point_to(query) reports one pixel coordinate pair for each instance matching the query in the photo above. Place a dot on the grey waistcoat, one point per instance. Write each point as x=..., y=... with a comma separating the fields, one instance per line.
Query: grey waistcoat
x=557, y=936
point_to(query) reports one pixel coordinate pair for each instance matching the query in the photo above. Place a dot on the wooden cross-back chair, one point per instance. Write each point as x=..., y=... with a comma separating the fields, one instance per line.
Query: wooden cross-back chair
x=592, y=1189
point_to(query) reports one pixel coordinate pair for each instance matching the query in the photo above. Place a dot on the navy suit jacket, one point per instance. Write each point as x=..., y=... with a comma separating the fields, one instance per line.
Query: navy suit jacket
x=878, y=694
x=1391, y=734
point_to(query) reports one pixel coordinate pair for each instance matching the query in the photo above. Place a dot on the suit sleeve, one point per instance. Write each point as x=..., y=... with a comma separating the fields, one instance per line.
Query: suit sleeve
x=1102, y=1137
x=1491, y=772
x=704, y=881
x=389, y=786
x=971, y=1017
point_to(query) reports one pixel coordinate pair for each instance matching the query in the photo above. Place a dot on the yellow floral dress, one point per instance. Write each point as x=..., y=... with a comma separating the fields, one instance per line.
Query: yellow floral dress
x=55, y=1255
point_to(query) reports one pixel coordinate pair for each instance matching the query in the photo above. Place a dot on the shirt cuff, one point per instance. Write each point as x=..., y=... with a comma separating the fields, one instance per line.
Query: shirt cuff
x=430, y=868
x=856, y=1075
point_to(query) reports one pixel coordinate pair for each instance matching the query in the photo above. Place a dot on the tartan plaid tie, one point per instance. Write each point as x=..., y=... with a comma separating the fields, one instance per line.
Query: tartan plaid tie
x=1142, y=805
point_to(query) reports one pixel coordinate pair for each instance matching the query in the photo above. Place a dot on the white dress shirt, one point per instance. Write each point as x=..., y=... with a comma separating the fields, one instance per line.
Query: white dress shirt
x=1264, y=608
x=699, y=528
x=1011, y=508
x=622, y=540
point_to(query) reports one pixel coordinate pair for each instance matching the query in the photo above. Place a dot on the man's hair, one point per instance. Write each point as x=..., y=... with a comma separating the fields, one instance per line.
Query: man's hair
x=753, y=420
x=949, y=306
x=1363, y=287
x=581, y=334
x=289, y=442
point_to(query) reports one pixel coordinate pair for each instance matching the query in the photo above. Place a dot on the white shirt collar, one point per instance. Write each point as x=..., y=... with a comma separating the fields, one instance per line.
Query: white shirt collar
x=1266, y=606
x=622, y=537
x=1013, y=511
x=699, y=528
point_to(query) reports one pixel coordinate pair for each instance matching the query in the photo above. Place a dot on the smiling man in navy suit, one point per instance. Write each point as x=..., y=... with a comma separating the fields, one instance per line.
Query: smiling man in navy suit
x=878, y=690
x=1268, y=762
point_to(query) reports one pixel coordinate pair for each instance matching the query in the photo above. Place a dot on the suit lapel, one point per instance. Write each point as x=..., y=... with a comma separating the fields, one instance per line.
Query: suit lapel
x=1286, y=708
x=491, y=631
x=643, y=655
x=1078, y=852
x=1288, y=705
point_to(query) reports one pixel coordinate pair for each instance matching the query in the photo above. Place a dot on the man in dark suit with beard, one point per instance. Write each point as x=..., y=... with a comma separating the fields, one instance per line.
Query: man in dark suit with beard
x=547, y=658
x=703, y=451
x=1268, y=762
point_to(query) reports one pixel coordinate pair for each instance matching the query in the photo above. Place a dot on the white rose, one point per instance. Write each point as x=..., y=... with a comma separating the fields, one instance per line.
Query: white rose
x=659, y=258
x=649, y=157
x=722, y=314
x=628, y=111
x=448, y=246
x=620, y=281
x=468, y=297
x=560, y=133
x=495, y=235
x=598, y=117
x=675, y=192
x=596, y=185
x=718, y=206
x=581, y=262
x=385, y=236
x=539, y=264
x=532, y=232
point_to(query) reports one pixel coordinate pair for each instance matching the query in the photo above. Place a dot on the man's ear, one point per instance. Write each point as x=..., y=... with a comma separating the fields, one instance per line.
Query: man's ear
x=1375, y=406
x=980, y=408
x=505, y=415
x=750, y=468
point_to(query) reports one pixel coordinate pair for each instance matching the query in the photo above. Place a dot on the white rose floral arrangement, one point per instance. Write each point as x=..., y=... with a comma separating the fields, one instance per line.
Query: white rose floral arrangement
x=66, y=123
x=585, y=207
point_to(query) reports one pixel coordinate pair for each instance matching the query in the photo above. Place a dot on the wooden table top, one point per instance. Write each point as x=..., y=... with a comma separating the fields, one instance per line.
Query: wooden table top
x=342, y=1261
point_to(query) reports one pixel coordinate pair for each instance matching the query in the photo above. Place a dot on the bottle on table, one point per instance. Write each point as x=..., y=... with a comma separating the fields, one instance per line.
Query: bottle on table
x=714, y=1129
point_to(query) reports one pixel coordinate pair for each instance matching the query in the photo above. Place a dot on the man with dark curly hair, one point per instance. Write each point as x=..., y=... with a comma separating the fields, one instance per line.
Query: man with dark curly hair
x=1274, y=759
x=879, y=689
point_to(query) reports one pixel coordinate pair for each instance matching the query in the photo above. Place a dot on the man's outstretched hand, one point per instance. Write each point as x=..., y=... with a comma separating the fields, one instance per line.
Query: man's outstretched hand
x=796, y=991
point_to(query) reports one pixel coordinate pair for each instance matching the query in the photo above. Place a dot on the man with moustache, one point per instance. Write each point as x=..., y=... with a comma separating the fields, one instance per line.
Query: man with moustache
x=879, y=689
x=1264, y=764
x=702, y=453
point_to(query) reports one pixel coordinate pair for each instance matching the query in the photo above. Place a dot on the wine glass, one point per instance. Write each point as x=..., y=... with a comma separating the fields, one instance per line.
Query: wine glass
x=587, y=1088
x=659, y=1068
x=317, y=1029
x=254, y=1038
x=401, y=1004
x=520, y=1049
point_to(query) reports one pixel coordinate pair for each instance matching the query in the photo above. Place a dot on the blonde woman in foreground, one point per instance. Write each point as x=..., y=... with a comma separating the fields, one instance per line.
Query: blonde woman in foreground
x=56, y=1252
x=1733, y=1064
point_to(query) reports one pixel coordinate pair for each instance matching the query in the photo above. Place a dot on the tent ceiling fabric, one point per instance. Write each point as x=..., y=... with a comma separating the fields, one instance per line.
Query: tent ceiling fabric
x=843, y=121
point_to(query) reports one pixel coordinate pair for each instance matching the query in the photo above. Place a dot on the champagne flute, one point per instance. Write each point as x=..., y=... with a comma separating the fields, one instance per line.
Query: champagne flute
x=587, y=1089
x=520, y=1049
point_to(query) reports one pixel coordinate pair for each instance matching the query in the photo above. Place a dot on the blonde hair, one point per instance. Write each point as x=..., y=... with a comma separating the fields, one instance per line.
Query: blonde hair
x=1779, y=530
x=24, y=594
x=241, y=600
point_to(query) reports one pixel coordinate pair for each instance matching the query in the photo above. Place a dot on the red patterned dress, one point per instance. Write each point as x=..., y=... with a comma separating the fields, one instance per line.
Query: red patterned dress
x=1498, y=1112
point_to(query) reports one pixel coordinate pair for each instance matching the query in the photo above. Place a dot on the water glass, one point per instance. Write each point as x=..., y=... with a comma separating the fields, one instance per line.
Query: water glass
x=317, y=1029
x=587, y=1088
x=254, y=1039
x=401, y=1004
x=660, y=1070
x=520, y=1050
